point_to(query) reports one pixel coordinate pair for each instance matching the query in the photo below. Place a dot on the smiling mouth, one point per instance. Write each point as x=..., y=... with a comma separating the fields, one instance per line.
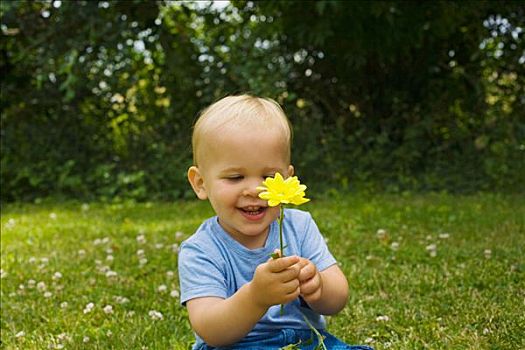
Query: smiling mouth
x=253, y=211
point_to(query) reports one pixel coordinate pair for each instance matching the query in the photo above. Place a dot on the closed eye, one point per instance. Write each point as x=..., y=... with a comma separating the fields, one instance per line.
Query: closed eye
x=234, y=178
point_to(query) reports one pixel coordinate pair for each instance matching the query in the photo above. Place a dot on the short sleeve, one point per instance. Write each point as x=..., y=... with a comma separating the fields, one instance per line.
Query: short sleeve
x=314, y=246
x=199, y=274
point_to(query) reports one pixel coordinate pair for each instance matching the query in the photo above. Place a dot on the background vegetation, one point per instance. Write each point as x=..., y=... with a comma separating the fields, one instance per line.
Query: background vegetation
x=98, y=97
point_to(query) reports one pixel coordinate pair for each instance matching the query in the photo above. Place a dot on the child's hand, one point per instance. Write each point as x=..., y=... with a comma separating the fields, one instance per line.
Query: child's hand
x=311, y=284
x=276, y=281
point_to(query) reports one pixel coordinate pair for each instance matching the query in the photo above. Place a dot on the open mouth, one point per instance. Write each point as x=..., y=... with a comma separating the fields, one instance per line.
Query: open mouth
x=253, y=212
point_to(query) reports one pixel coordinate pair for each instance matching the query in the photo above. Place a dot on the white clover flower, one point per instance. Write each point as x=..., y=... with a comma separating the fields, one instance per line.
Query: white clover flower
x=162, y=288
x=56, y=276
x=130, y=313
x=111, y=274
x=394, y=246
x=104, y=269
x=3, y=274
x=44, y=260
x=10, y=223
x=175, y=247
x=140, y=252
x=81, y=252
x=59, y=346
x=382, y=318
x=110, y=258
x=170, y=274
x=155, y=315
x=121, y=300
x=85, y=339
x=20, y=334
x=487, y=253
x=31, y=284
x=64, y=305
x=21, y=286
x=431, y=248
x=174, y=293
x=63, y=336
x=85, y=207
x=32, y=260
x=143, y=261
x=53, y=216
x=109, y=251
x=444, y=235
x=179, y=235
x=381, y=233
x=41, y=286
x=105, y=240
x=109, y=333
x=89, y=307
x=369, y=340
x=97, y=241
x=159, y=245
x=141, y=239
x=48, y=294
x=108, y=309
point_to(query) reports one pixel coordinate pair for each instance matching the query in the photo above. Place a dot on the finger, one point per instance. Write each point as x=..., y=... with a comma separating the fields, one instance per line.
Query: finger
x=312, y=297
x=304, y=262
x=310, y=286
x=291, y=286
x=292, y=296
x=291, y=273
x=278, y=265
x=307, y=272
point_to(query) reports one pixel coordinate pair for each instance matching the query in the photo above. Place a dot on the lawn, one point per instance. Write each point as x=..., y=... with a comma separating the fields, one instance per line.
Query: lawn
x=431, y=271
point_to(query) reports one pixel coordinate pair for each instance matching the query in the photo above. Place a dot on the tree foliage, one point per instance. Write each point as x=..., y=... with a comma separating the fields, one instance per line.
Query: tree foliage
x=98, y=97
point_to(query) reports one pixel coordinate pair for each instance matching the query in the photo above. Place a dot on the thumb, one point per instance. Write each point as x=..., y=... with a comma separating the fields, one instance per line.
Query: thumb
x=278, y=265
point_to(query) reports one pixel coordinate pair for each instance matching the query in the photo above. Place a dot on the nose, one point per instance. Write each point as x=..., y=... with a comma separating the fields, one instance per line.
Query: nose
x=250, y=190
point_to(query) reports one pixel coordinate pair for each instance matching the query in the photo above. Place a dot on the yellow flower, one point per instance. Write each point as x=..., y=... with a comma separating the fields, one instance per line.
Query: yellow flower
x=277, y=190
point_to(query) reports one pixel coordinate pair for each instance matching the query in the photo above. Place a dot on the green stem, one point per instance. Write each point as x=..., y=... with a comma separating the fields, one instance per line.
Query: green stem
x=319, y=336
x=281, y=218
x=281, y=243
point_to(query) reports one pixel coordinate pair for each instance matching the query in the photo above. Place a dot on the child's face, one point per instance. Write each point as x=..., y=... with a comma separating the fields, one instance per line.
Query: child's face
x=234, y=163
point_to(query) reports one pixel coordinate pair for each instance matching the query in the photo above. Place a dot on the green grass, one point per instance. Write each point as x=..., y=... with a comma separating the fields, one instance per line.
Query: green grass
x=468, y=294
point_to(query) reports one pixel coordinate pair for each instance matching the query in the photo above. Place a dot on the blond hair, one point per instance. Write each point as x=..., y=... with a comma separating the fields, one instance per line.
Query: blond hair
x=240, y=110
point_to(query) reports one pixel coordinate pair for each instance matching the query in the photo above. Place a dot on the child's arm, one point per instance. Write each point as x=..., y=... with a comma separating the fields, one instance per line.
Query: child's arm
x=221, y=322
x=326, y=292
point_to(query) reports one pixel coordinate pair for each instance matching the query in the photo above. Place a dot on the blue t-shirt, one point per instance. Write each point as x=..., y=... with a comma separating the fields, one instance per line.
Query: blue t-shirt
x=213, y=264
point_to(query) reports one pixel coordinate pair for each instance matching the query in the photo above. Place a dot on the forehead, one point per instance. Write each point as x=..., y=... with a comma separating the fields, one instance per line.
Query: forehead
x=240, y=146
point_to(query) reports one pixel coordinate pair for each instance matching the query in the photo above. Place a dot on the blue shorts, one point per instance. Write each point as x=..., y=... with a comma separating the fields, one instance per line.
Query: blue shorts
x=304, y=338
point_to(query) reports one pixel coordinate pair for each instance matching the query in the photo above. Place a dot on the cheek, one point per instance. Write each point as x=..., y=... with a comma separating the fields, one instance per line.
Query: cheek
x=225, y=194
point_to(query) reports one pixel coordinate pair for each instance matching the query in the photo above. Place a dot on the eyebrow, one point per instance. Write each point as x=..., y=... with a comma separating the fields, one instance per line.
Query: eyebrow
x=241, y=169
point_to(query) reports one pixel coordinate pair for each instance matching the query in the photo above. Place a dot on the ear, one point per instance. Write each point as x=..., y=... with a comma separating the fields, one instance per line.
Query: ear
x=290, y=170
x=197, y=182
